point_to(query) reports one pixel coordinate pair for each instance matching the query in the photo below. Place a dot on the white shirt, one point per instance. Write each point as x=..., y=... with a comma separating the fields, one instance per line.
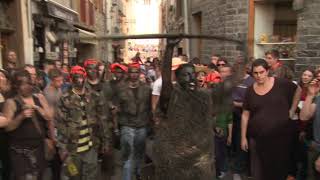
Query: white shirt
x=156, y=90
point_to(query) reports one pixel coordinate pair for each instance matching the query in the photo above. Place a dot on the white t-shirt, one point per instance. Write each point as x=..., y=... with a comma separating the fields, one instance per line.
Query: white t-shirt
x=156, y=90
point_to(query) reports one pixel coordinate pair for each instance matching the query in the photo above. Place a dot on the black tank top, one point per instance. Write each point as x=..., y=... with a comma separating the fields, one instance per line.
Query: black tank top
x=27, y=135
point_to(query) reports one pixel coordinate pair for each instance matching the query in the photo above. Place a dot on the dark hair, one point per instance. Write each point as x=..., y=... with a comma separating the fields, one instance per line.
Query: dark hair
x=19, y=74
x=29, y=66
x=195, y=60
x=6, y=74
x=182, y=66
x=216, y=55
x=11, y=50
x=260, y=62
x=213, y=66
x=274, y=53
x=54, y=73
x=223, y=60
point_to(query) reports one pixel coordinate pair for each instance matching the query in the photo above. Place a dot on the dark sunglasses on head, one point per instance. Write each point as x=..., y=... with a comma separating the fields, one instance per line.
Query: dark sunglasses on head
x=221, y=64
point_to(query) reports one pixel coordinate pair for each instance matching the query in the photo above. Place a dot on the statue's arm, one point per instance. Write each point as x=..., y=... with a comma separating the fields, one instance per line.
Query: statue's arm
x=166, y=74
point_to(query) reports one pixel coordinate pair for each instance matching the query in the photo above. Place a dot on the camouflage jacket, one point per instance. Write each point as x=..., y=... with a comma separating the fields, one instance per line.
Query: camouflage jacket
x=72, y=108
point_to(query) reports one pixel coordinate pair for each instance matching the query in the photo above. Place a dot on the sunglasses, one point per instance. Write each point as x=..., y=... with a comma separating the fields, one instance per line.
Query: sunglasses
x=221, y=64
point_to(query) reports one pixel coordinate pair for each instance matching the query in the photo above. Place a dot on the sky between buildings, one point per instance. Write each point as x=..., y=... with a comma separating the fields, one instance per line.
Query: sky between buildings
x=147, y=19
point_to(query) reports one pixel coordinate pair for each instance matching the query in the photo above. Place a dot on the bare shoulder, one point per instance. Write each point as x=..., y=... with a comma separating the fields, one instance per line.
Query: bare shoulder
x=9, y=105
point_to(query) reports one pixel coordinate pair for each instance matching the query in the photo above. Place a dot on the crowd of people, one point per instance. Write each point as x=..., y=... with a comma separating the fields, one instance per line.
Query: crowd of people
x=249, y=118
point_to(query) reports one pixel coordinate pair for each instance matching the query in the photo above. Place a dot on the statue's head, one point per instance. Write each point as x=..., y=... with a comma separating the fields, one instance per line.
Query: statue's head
x=186, y=76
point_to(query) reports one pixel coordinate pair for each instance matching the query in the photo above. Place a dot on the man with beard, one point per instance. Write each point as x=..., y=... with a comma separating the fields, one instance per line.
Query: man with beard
x=29, y=116
x=82, y=129
x=184, y=141
x=134, y=115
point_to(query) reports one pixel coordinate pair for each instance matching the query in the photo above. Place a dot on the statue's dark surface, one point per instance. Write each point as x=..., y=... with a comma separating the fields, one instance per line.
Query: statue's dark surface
x=184, y=138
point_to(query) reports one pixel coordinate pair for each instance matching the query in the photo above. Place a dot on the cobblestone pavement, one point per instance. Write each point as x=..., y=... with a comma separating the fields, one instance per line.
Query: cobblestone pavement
x=117, y=174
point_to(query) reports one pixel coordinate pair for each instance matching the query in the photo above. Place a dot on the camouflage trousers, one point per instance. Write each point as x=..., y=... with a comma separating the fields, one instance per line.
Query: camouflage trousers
x=86, y=164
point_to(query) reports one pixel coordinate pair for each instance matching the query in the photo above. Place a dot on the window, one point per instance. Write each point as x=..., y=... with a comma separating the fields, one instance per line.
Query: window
x=179, y=10
x=99, y=5
x=87, y=12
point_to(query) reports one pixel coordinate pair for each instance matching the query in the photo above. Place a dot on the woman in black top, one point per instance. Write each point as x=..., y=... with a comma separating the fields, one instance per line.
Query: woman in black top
x=4, y=155
x=265, y=121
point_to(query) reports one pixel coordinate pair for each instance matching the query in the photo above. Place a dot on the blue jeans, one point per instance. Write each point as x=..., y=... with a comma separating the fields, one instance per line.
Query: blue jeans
x=133, y=142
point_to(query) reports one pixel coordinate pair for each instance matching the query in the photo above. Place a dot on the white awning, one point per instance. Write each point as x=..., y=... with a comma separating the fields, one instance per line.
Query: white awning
x=87, y=37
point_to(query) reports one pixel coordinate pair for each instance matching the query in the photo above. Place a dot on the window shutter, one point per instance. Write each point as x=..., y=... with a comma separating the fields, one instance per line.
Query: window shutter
x=91, y=14
x=83, y=11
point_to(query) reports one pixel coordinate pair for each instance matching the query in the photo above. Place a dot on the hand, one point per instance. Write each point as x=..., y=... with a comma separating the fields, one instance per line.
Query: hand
x=107, y=149
x=317, y=164
x=291, y=114
x=27, y=113
x=116, y=132
x=63, y=155
x=229, y=140
x=219, y=132
x=173, y=41
x=244, y=144
x=313, y=88
x=114, y=110
x=156, y=121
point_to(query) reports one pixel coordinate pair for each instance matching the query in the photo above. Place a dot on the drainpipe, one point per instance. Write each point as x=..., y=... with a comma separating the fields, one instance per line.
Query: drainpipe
x=186, y=26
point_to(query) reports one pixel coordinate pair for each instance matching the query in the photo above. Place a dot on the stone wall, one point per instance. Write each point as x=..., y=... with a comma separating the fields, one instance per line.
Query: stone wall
x=308, y=36
x=223, y=18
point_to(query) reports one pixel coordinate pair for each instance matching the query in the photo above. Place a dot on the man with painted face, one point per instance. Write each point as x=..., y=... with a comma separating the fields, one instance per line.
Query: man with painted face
x=28, y=117
x=82, y=129
x=184, y=138
x=93, y=81
x=133, y=117
x=119, y=72
x=98, y=85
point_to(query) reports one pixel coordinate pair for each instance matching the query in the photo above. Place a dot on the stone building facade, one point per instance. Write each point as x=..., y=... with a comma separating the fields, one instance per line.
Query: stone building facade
x=308, y=40
x=249, y=20
x=41, y=30
x=227, y=18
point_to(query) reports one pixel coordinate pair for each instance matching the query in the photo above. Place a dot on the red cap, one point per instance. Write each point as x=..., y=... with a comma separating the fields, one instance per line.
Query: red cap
x=90, y=61
x=117, y=65
x=213, y=77
x=134, y=65
x=78, y=70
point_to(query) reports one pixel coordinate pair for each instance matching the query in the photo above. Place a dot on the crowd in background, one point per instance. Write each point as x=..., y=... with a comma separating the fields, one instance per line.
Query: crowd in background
x=265, y=126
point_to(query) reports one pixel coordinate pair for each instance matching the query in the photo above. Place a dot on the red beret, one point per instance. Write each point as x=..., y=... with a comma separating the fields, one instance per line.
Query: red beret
x=78, y=70
x=213, y=77
x=134, y=66
x=117, y=65
x=90, y=61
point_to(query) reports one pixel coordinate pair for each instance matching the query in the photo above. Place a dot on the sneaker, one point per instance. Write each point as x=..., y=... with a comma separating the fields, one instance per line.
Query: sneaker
x=222, y=175
x=237, y=177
